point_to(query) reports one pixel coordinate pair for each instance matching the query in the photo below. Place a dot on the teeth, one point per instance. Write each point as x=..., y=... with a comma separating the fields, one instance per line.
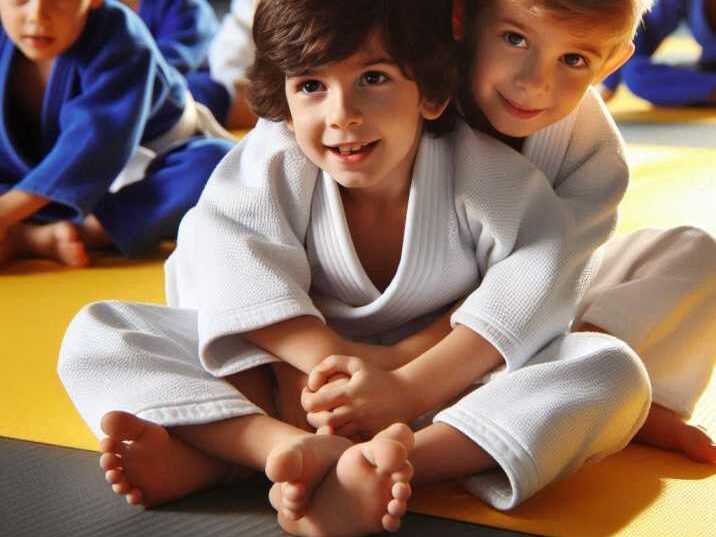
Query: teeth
x=348, y=149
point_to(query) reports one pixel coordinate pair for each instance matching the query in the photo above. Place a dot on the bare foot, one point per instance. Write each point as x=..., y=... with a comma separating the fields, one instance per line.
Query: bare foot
x=665, y=429
x=365, y=492
x=59, y=242
x=146, y=465
x=93, y=234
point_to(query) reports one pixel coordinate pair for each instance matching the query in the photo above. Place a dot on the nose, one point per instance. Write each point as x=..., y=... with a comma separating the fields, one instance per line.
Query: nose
x=37, y=10
x=343, y=110
x=534, y=76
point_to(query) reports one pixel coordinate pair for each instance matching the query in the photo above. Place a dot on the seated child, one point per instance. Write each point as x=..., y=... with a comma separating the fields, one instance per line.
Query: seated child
x=230, y=55
x=672, y=85
x=529, y=86
x=183, y=30
x=355, y=227
x=99, y=144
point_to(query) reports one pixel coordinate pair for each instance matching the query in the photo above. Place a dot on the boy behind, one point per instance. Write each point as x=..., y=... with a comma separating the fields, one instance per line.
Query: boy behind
x=530, y=70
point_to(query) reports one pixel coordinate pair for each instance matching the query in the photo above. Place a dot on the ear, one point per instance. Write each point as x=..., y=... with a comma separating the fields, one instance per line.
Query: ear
x=432, y=110
x=458, y=20
x=289, y=125
x=619, y=58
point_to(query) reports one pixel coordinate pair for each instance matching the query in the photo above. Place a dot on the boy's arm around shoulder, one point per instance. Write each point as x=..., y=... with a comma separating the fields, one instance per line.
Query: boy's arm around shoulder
x=593, y=178
x=523, y=239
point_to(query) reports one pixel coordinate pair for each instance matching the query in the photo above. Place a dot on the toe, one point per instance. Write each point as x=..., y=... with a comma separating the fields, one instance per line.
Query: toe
x=401, y=491
x=114, y=477
x=405, y=474
x=295, y=492
x=391, y=523
x=135, y=497
x=397, y=508
x=111, y=445
x=109, y=461
x=122, y=488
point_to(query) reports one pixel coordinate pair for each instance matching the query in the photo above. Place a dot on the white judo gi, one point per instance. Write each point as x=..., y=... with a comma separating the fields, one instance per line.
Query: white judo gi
x=269, y=241
x=654, y=289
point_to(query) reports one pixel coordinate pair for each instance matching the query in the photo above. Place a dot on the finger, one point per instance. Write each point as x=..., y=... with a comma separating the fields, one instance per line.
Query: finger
x=332, y=365
x=339, y=417
x=327, y=398
x=319, y=420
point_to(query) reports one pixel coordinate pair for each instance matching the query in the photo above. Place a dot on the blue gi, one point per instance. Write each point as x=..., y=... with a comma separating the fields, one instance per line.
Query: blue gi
x=109, y=93
x=670, y=85
x=183, y=30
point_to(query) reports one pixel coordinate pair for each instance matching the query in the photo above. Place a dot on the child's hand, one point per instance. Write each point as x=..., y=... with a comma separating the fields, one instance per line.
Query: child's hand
x=370, y=400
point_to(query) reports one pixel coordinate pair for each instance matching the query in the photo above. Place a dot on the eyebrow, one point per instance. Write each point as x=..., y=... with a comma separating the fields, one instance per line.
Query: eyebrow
x=379, y=60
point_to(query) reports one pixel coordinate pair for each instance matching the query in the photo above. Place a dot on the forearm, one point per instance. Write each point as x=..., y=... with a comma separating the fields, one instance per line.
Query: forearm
x=447, y=369
x=302, y=342
x=16, y=205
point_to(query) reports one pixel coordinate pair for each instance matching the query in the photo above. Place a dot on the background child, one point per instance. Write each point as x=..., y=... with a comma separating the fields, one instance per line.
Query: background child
x=183, y=30
x=529, y=85
x=672, y=85
x=230, y=56
x=364, y=222
x=98, y=135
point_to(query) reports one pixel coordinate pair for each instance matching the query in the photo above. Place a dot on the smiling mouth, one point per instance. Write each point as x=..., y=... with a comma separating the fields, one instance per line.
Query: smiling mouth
x=347, y=150
x=39, y=40
x=515, y=110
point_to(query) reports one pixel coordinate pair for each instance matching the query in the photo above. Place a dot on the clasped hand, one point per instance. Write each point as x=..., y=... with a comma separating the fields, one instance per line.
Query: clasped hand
x=352, y=397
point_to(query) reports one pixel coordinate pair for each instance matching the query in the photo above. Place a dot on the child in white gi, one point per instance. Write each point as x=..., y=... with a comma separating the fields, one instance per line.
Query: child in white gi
x=355, y=217
x=528, y=84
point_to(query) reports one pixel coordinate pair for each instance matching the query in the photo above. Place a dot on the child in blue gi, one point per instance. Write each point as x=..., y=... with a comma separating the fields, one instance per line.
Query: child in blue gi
x=98, y=142
x=183, y=30
x=665, y=84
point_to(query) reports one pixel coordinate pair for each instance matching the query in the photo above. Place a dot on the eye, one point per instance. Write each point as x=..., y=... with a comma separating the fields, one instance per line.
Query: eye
x=373, y=78
x=514, y=39
x=310, y=86
x=574, y=60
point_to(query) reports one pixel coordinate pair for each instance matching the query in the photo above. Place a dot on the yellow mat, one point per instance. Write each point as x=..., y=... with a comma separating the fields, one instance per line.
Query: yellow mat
x=640, y=491
x=627, y=107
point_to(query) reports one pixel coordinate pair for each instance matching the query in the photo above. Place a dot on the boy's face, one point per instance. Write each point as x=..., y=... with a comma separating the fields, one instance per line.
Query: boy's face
x=532, y=69
x=44, y=29
x=359, y=119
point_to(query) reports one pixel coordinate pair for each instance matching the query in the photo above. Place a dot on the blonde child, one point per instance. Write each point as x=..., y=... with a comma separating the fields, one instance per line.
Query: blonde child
x=354, y=227
x=529, y=83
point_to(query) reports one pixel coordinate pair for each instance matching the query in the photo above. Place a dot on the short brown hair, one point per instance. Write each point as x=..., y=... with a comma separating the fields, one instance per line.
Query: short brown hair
x=295, y=36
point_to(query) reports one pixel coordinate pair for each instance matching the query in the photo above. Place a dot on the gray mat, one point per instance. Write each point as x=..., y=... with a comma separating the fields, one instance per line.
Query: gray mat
x=48, y=491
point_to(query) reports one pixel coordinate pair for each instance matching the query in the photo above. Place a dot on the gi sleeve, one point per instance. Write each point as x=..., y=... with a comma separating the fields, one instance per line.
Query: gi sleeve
x=660, y=83
x=524, y=242
x=99, y=128
x=240, y=257
x=183, y=30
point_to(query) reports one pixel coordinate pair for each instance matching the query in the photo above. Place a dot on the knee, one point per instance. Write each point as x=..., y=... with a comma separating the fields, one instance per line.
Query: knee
x=622, y=375
x=86, y=334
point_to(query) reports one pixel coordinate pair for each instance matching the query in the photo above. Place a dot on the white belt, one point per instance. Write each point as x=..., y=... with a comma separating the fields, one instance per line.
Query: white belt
x=195, y=119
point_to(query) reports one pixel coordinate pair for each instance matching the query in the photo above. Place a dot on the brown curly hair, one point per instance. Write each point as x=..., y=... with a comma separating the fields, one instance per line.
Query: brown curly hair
x=295, y=36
